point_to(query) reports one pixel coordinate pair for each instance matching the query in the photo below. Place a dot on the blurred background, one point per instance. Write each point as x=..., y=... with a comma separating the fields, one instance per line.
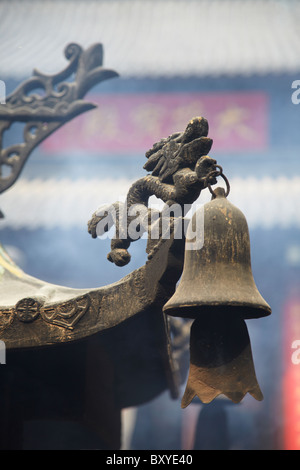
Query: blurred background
x=231, y=61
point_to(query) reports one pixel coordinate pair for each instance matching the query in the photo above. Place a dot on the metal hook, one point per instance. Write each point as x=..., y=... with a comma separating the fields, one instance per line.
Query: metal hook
x=218, y=173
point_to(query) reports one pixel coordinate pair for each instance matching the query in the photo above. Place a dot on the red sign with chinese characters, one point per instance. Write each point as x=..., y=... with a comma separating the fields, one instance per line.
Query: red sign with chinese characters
x=125, y=123
x=291, y=375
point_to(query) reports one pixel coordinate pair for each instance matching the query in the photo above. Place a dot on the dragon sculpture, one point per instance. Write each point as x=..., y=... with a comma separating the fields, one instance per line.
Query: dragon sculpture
x=180, y=168
x=34, y=313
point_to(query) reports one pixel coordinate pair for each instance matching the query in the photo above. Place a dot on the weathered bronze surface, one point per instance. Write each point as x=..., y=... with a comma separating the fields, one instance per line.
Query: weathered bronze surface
x=98, y=350
x=220, y=360
x=180, y=167
x=218, y=275
x=35, y=313
x=218, y=291
x=43, y=324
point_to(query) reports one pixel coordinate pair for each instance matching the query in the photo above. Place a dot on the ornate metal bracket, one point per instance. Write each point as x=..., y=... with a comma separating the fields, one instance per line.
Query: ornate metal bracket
x=179, y=168
x=34, y=313
x=47, y=102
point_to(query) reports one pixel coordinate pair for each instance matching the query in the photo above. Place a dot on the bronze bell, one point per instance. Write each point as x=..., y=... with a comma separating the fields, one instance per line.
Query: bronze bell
x=217, y=277
x=218, y=291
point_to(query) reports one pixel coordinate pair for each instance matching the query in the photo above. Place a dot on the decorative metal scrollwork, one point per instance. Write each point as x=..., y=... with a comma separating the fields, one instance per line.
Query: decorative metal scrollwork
x=55, y=102
x=66, y=314
x=27, y=310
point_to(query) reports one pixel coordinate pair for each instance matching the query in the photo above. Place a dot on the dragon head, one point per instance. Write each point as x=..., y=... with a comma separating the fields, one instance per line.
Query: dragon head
x=179, y=150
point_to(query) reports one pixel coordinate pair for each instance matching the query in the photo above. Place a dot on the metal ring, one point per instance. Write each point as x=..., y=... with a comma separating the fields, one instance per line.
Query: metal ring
x=220, y=172
x=227, y=185
x=214, y=172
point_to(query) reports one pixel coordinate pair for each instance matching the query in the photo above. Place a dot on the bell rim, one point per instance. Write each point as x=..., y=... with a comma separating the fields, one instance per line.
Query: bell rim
x=182, y=310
